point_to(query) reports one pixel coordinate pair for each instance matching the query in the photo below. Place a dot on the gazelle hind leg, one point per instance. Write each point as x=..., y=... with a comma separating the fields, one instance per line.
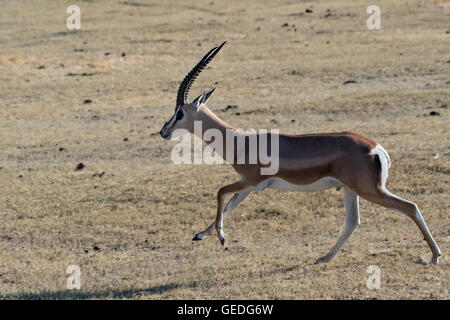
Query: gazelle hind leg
x=351, y=204
x=418, y=219
x=389, y=200
x=230, y=206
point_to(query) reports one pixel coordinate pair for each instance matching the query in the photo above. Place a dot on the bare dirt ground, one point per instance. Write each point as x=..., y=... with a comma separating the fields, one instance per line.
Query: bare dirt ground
x=128, y=217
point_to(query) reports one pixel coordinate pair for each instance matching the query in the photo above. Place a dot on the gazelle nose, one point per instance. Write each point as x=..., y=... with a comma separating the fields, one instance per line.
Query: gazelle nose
x=164, y=132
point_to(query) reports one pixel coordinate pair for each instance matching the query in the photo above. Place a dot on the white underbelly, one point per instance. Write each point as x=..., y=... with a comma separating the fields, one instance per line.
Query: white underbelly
x=280, y=184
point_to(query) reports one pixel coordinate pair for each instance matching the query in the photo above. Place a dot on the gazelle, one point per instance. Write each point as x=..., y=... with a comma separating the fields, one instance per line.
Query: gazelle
x=308, y=162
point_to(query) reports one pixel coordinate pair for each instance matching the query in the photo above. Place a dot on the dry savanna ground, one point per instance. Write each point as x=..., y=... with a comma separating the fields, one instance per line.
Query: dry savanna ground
x=98, y=96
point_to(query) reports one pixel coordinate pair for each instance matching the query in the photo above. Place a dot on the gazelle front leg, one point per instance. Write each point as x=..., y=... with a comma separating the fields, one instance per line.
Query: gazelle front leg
x=229, y=207
x=351, y=204
x=223, y=192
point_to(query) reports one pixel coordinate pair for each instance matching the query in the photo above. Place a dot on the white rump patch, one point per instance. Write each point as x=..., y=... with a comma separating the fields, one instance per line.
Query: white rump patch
x=385, y=163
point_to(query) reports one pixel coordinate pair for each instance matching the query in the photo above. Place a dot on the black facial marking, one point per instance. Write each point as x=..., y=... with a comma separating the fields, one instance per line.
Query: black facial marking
x=179, y=115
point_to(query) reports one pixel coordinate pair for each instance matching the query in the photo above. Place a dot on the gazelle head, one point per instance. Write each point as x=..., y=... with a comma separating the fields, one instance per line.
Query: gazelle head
x=186, y=112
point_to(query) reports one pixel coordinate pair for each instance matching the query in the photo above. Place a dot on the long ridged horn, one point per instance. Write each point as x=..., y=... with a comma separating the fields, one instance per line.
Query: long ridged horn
x=183, y=90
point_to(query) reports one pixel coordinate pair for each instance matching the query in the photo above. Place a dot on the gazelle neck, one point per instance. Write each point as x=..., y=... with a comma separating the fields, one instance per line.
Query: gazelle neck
x=210, y=120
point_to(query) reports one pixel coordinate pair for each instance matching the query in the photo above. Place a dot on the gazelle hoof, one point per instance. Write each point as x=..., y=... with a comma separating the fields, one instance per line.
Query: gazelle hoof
x=197, y=237
x=222, y=238
x=435, y=260
x=322, y=260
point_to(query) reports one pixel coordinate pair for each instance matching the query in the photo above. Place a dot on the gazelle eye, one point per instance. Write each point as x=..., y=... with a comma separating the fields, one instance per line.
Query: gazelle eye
x=179, y=115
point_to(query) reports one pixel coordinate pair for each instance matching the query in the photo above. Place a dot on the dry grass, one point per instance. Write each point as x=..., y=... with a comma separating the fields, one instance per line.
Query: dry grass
x=143, y=212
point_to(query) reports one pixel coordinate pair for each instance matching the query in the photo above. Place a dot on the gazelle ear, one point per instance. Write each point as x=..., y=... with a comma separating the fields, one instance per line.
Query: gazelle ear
x=203, y=98
x=199, y=100
x=208, y=94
